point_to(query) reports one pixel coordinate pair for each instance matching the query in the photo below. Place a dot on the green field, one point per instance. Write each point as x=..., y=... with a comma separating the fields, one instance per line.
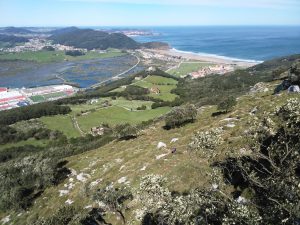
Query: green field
x=122, y=102
x=56, y=56
x=37, y=98
x=42, y=98
x=61, y=123
x=54, y=95
x=188, y=67
x=117, y=115
x=119, y=112
x=30, y=141
x=165, y=85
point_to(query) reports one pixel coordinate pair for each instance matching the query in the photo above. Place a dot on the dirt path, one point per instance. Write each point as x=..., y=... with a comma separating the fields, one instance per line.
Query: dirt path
x=76, y=125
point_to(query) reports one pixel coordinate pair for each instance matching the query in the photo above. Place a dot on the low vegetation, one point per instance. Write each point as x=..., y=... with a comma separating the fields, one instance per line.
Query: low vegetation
x=241, y=167
x=46, y=56
x=180, y=116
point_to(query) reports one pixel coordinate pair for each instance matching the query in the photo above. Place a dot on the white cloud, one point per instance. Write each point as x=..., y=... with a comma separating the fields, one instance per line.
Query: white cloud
x=221, y=3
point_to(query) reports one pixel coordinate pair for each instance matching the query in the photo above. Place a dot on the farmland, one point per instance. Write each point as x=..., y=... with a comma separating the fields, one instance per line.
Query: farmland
x=165, y=85
x=188, y=67
x=56, y=56
x=91, y=115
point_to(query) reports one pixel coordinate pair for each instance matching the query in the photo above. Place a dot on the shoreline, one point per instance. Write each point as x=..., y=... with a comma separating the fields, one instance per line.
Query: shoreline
x=206, y=57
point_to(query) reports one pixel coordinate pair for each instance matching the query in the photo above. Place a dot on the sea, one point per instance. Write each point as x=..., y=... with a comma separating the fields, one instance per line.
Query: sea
x=249, y=43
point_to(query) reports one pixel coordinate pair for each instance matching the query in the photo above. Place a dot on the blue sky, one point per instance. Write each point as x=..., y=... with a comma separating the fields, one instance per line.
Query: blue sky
x=148, y=12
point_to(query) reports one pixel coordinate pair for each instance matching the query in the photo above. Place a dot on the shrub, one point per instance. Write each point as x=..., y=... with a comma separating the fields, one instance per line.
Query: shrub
x=227, y=105
x=143, y=107
x=205, y=142
x=125, y=131
x=181, y=115
x=114, y=199
x=74, y=53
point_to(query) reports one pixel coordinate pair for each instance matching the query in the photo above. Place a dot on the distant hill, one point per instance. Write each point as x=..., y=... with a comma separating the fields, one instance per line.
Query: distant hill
x=92, y=39
x=16, y=30
x=63, y=30
x=12, y=39
x=156, y=45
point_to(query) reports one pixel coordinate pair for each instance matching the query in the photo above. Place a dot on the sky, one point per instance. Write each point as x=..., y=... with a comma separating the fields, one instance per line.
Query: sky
x=148, y=12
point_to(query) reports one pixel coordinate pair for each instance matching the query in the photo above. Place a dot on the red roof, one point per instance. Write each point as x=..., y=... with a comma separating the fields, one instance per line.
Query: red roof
x=12, y=98
x=3, y=89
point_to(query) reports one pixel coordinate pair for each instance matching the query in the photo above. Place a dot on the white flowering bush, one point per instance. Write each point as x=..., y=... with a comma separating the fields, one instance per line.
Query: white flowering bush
x=241, y=212
x=205, y=142
x=290, y=112
x=152, y=192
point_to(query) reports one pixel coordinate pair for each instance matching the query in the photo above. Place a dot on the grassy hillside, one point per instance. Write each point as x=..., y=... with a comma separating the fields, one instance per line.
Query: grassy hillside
x=125, y=162
x=92, y=39
x=165, y=85
x=231, y=166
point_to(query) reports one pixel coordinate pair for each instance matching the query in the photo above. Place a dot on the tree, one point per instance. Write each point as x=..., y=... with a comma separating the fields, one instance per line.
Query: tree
x=227, y=105
x=125, y=131
x=143, y=107
x=114, y=199
x=181, y=115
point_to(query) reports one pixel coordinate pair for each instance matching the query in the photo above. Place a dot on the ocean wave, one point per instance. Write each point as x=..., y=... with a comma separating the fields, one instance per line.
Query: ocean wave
x=218, y=56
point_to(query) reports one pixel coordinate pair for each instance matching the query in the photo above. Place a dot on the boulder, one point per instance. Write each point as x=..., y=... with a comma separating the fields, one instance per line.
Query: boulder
x=259, y=88
x=161, y=145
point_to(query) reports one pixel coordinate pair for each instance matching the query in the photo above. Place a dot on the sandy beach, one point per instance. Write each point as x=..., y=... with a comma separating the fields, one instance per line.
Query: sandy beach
x=205, y=58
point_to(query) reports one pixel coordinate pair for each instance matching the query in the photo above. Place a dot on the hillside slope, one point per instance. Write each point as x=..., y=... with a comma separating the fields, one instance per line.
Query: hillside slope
x=232, y=165
x=124, y=163
x=93, y=39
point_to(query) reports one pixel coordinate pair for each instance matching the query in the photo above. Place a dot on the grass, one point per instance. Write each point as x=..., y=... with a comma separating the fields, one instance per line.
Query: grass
x=165, y=85
x=61, y=123
x=56, y=56
x=30, y=141
x=184, y=170
x=188, y=67
x=119, y=112
x=54, y=95
x=116, y=115
x=37, y=98
x=122, y=102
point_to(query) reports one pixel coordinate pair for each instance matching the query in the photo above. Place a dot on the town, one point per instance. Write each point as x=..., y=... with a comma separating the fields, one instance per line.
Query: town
x=18, y=97
x=38, y=44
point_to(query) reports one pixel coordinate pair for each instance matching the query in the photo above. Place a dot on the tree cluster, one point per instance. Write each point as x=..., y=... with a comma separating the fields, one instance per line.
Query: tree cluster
x=74, y=53
x=34, y=111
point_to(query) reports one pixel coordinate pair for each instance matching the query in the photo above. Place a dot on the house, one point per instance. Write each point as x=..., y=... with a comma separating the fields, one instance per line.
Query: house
x=106, y=103
x=151, y=69
x=97, y=131
x=138, y=78
x=100, y=130
x=155, y=90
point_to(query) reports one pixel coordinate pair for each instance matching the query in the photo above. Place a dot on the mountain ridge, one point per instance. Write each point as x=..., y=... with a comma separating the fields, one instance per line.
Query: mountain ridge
x=93, y=39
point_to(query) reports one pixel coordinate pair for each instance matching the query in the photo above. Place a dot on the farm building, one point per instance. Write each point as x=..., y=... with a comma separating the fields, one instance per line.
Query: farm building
x=155, y=90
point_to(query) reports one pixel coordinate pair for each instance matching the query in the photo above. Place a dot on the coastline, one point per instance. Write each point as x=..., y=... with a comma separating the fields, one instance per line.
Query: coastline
x=206, y=57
